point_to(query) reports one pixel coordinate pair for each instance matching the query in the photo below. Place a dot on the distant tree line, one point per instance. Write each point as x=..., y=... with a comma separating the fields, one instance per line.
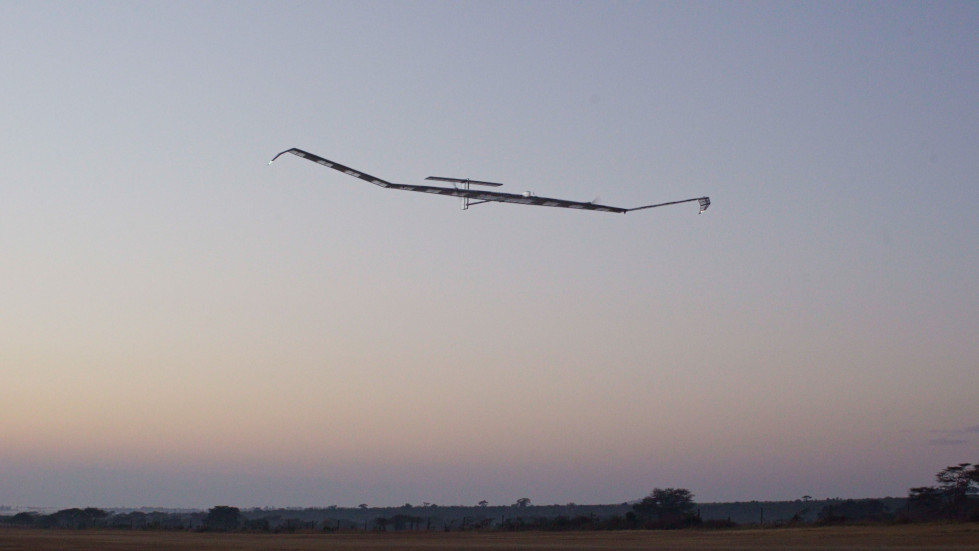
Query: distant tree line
x=91, y=517
x=954, y=497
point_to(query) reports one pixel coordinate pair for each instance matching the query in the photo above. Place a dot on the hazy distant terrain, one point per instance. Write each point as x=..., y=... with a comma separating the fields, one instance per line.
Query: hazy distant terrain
x=431, y=517
x=458, y=517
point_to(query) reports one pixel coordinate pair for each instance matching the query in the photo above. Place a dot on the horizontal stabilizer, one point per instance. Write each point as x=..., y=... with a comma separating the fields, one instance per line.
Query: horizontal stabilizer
x=463, y=181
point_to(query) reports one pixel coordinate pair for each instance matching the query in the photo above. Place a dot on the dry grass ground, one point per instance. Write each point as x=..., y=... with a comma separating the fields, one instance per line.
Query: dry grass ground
x=931, y=537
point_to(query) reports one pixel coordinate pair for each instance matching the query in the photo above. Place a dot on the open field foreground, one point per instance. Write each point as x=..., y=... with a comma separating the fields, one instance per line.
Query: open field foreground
x=958, y=536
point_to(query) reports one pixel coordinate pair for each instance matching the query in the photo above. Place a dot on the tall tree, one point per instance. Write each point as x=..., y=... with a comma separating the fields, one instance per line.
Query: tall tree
x=957, y=483
x=222, y=518
x=669, y=507
x=951, y=497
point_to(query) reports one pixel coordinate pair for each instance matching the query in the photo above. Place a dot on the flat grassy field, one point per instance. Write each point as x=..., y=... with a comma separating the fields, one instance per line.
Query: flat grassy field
x=931, y=536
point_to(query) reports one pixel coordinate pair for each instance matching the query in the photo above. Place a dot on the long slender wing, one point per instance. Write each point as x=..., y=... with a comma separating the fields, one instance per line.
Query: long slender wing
x=335, y=166
x=477, y=195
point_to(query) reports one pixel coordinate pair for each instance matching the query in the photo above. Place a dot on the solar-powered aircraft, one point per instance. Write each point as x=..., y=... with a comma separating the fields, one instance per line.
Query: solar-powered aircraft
x=472, y=197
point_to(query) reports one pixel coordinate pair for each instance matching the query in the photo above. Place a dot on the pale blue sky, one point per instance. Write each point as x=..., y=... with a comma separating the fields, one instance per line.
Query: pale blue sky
x=185, y=326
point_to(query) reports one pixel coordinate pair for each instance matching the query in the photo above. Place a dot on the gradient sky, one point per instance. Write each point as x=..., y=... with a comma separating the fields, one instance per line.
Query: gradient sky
x=183, y=325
